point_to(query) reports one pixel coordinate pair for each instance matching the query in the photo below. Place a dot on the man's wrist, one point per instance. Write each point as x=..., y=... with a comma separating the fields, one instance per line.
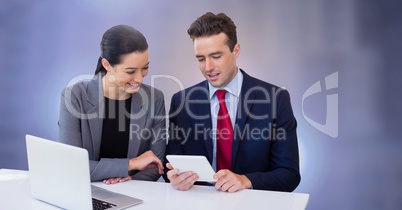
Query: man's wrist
x=247, y=182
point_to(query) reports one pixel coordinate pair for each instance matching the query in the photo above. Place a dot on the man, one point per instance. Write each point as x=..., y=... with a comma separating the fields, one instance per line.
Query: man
x=244, y=126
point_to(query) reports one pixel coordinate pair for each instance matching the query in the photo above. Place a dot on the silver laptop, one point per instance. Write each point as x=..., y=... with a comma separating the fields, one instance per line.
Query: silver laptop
x=59, y=175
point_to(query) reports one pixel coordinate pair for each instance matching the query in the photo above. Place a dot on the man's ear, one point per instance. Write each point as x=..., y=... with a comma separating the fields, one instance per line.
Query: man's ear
x=236, y=50
x=106, y=64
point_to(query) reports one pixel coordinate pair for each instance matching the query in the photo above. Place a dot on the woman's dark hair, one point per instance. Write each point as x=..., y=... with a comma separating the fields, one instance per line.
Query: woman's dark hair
x=118, y=41
x=210, y=24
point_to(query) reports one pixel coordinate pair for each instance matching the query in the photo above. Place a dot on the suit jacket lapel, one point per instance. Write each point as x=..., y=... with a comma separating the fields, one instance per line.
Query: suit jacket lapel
x=243, y=110
x=203, y=111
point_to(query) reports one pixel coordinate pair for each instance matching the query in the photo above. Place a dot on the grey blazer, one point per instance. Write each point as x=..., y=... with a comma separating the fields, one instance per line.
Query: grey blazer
x=81, y=119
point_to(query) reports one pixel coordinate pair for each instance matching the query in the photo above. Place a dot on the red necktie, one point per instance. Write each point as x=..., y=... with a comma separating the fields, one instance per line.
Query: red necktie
x=224, y=134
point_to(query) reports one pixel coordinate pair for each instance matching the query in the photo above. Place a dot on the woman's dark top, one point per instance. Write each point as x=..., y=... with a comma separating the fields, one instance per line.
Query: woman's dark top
x=116, y=128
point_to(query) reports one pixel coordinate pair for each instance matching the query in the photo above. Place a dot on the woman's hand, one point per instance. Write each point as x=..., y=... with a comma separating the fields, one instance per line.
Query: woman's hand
x=116, y=180
x=146, y=160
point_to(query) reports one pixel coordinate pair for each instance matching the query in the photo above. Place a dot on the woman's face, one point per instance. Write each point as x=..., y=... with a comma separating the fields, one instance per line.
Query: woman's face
x=125, y=78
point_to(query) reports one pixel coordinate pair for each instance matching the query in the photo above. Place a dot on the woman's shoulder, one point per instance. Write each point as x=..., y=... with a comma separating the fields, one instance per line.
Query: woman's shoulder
x=83, y=87
x=152, y=91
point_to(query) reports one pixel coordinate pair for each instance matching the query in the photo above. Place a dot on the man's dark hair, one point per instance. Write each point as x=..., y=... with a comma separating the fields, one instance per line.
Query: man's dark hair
x=210, y=24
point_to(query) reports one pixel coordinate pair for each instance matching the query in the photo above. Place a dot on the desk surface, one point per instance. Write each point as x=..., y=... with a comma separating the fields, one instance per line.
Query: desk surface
x=15, y=194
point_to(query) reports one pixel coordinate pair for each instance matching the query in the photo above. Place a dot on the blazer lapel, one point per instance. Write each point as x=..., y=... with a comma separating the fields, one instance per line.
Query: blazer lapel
x=138, y=118
x=96, y=104
x=242, y=111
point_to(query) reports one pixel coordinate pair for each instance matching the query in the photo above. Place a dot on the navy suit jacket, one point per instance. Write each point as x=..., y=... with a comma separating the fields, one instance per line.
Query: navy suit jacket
x=265, y=145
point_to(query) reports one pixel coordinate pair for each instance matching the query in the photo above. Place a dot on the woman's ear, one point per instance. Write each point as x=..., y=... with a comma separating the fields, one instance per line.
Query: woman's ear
x=106, y=64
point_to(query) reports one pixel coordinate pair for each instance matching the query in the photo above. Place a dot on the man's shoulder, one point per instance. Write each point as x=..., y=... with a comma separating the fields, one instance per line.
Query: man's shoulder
x=254, y=87
x=253, y=82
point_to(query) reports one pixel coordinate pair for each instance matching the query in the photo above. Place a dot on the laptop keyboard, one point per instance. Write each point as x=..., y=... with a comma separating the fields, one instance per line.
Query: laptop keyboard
x=99, y=205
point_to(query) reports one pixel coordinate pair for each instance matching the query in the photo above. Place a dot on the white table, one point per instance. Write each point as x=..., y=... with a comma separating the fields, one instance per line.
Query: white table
x=15, y=194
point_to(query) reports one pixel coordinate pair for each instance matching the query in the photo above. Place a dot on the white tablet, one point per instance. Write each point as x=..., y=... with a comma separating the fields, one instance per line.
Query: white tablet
x=196, y=164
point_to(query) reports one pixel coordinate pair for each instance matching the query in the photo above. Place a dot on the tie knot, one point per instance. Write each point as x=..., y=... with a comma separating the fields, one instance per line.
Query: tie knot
x=220, y=94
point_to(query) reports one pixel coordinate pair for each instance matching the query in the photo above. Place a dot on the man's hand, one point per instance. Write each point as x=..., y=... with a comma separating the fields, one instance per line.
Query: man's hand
x=116, y=180
x=183, y=181
x=231, y=182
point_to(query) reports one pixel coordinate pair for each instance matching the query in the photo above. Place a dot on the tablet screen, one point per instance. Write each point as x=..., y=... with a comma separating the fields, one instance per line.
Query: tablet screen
x=197, y=164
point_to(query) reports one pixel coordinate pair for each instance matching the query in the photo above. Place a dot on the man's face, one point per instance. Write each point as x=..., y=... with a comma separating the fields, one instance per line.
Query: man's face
x=216, y=62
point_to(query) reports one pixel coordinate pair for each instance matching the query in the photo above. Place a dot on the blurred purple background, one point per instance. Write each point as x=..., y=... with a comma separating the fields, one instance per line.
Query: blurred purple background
x=350, y=148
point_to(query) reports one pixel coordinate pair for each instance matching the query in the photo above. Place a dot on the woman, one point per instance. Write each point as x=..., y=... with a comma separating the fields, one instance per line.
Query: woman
x=119, y=120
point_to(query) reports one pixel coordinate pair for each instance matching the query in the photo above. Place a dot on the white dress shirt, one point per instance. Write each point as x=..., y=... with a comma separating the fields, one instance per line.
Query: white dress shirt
x=231, y=99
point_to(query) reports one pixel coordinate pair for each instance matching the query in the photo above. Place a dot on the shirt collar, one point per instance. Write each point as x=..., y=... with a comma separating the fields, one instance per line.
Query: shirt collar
x=234, y=86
